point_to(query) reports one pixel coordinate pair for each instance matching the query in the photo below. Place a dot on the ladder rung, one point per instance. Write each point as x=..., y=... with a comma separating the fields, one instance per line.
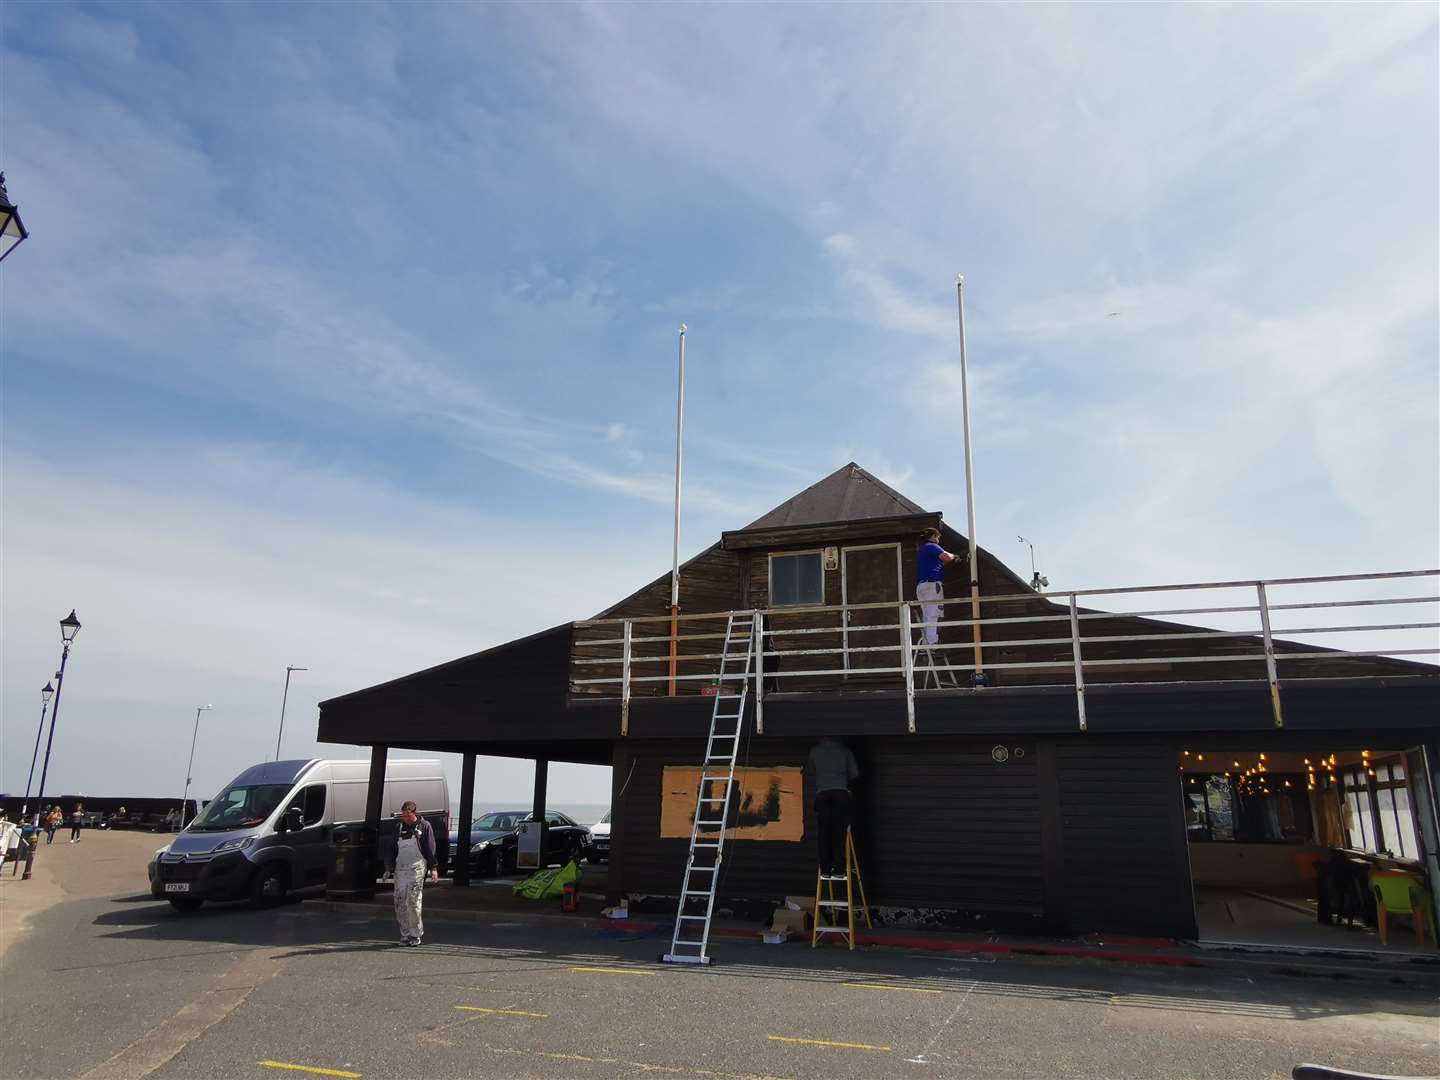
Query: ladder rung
x=693, y=918
x=716, y=800
x=832, y=877
x=704, y=844
x=697, y=892
x=832, y=929
x=831, y=903
x=720, y=822
x=703, y=869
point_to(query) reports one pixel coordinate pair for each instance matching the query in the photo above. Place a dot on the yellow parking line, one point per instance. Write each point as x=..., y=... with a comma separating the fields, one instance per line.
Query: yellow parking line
x=614, y=971
x=309, y=1069
x=824, y=1042
x=502, y=1012
x=887, y=986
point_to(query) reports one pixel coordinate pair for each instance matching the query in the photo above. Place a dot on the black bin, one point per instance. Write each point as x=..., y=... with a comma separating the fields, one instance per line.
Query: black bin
x=352, y=863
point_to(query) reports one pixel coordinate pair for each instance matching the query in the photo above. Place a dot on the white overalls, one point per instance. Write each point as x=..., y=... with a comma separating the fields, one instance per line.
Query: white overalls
x=410, y=874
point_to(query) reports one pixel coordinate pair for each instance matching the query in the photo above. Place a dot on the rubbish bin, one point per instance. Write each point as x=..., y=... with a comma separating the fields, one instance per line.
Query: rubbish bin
x=352, y=863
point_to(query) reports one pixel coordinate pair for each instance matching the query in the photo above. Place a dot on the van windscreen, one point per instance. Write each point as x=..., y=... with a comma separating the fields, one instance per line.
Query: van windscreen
x=240, y=807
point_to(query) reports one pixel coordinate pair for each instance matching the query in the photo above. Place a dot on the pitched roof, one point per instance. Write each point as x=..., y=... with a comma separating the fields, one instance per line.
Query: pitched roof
x=848, y=494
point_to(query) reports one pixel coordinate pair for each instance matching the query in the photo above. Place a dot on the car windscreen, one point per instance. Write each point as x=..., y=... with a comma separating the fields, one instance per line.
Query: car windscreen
x=240, y=807
x=496, y=822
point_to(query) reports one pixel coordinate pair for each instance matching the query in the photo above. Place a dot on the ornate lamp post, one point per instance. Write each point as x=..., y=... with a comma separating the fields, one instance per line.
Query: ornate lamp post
x=69, y=627
x=45, y=696
x=12, y=229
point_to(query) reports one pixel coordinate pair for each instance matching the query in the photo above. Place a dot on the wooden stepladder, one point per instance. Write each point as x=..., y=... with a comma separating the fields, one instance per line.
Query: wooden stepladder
x=829, y=911
x=713, y=799
x=933, y=677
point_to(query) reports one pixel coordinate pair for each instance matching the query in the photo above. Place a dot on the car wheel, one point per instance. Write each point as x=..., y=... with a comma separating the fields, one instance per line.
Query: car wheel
x=490, y=864
x=186, y=903
x=268, y=887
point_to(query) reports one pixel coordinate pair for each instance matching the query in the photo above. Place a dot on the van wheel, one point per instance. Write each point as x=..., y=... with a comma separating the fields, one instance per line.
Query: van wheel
x=186, y=903
x=268, y=887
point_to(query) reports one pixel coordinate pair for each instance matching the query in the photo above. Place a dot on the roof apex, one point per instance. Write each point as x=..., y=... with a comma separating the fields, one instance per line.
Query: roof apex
x=850, y=493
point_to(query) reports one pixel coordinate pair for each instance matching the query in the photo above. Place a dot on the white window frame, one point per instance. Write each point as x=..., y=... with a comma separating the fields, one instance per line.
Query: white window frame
x=770, y=577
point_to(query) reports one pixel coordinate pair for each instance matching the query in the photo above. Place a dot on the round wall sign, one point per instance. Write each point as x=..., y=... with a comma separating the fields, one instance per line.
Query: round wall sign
x=1000, y=755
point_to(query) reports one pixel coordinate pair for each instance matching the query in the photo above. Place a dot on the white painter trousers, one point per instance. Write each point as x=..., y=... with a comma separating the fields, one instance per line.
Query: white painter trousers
x=930, y=611
x=409, y=892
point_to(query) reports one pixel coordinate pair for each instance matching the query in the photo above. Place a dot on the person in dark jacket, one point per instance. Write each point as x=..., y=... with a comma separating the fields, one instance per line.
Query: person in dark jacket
x=409, y=859
x=834, y=769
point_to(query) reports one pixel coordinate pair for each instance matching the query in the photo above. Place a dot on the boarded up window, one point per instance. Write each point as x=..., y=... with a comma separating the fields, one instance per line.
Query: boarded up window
x=770, y=803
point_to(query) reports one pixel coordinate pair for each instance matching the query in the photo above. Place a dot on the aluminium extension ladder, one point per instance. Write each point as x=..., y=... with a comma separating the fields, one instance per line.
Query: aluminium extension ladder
x=707, y=835
x=834, y=916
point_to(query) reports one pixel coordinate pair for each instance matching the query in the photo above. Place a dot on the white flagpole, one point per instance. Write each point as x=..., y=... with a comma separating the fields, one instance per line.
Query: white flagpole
x=675, y=544
x=969, y=477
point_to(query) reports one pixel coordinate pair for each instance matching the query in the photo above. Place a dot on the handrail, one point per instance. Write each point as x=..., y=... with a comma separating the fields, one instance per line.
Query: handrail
x=1269, y=650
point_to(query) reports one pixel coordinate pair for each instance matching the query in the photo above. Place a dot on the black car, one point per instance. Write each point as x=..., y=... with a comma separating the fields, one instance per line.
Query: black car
x=495, y=837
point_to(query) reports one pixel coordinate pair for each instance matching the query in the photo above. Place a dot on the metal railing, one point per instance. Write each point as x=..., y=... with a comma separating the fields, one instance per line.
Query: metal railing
x=1023, y=623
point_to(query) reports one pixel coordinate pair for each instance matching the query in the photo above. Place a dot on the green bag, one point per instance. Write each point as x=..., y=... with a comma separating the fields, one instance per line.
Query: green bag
x=547, y=883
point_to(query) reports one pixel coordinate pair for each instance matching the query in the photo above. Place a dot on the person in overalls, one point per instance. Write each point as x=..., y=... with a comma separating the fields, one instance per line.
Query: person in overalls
x=409, y=859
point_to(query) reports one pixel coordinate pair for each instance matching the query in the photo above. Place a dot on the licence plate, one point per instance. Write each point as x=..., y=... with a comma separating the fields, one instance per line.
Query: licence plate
x=177, y=886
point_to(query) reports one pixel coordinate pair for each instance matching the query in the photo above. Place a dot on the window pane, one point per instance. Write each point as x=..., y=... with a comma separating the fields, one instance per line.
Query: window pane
x=1410, y=846
x=796, y=579
x=314, y=803
x=1366, y=820
x=1222, y=812
x=1389, y=839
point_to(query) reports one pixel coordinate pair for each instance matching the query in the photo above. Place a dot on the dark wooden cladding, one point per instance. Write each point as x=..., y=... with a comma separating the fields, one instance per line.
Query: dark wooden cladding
x=1122, y=843
x=709, y=582
x=1068, y=835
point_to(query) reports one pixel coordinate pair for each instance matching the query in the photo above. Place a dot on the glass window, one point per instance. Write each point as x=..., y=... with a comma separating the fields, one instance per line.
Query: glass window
x=554, y=817
x=312, y=804
x=1219, y=803
x=240, y=807
x=796, y=579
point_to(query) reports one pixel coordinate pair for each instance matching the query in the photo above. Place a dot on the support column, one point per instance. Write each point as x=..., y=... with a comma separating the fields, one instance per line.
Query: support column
x=375, y=796
x=461, y=855
x=542, y=777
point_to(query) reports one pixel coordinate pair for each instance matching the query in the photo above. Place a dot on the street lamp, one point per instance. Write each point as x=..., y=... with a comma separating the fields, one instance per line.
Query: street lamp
x=12, y=229
x=284, y=698
x=45, y=696
x=198, y=710
x=69, y=627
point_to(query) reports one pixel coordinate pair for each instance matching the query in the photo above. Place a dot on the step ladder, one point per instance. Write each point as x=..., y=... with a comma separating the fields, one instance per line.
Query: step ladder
x=829, y=912
x=932, y=678
x=713, y=799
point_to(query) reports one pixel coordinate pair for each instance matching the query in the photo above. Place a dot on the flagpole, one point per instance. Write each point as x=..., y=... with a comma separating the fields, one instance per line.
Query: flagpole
x=675, y=543
x=969, y=479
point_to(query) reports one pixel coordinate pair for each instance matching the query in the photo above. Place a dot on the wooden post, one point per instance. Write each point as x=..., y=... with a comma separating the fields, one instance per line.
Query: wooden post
x=1079, y=663
x=542, y=778
x=674, y=632
x=461, y=855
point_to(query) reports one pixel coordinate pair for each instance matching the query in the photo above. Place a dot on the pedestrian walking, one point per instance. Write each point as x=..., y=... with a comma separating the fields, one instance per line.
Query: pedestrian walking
x=410, y=858
x=52, y=822
x=77, y=819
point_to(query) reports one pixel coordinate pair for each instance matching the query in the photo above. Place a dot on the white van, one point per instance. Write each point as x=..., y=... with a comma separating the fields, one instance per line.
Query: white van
x=269, y=832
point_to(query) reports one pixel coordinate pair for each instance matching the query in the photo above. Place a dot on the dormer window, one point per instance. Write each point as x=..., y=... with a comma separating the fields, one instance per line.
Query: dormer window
x=797, y=579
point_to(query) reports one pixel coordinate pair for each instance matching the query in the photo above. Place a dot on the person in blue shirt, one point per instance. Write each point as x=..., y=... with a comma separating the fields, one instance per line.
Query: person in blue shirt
x=930, y=562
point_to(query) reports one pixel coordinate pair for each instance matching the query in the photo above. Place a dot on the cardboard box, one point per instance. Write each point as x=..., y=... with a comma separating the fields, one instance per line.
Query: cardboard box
x=790, y=923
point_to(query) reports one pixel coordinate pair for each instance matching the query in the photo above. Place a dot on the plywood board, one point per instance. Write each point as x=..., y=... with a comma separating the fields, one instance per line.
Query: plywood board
x=770, y=804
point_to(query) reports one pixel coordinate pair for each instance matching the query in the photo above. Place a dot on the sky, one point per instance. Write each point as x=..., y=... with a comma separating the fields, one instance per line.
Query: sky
x=345, y=334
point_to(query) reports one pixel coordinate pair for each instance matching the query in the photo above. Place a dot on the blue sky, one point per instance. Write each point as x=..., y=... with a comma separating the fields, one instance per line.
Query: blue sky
x=345, y=336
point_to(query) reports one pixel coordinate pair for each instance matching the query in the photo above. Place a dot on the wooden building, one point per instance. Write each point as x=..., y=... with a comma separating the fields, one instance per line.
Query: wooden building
x=1048, y=800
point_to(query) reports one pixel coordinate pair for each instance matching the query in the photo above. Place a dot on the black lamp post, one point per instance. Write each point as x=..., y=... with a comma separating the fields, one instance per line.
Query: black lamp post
x=45, y=696
x=69, y=627
x=12, y=229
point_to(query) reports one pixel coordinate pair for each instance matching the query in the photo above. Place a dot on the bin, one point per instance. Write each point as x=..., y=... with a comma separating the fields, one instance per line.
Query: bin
x=352, y=863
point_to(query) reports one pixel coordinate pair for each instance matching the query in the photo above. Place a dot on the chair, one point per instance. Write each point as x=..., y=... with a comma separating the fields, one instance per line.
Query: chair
x=1400, y=893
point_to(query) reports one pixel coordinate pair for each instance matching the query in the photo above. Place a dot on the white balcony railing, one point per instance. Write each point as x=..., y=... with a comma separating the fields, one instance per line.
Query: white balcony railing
x=1034, y=638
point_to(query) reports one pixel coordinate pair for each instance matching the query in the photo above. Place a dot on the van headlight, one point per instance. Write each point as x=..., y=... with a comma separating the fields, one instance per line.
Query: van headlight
x=238, y=844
